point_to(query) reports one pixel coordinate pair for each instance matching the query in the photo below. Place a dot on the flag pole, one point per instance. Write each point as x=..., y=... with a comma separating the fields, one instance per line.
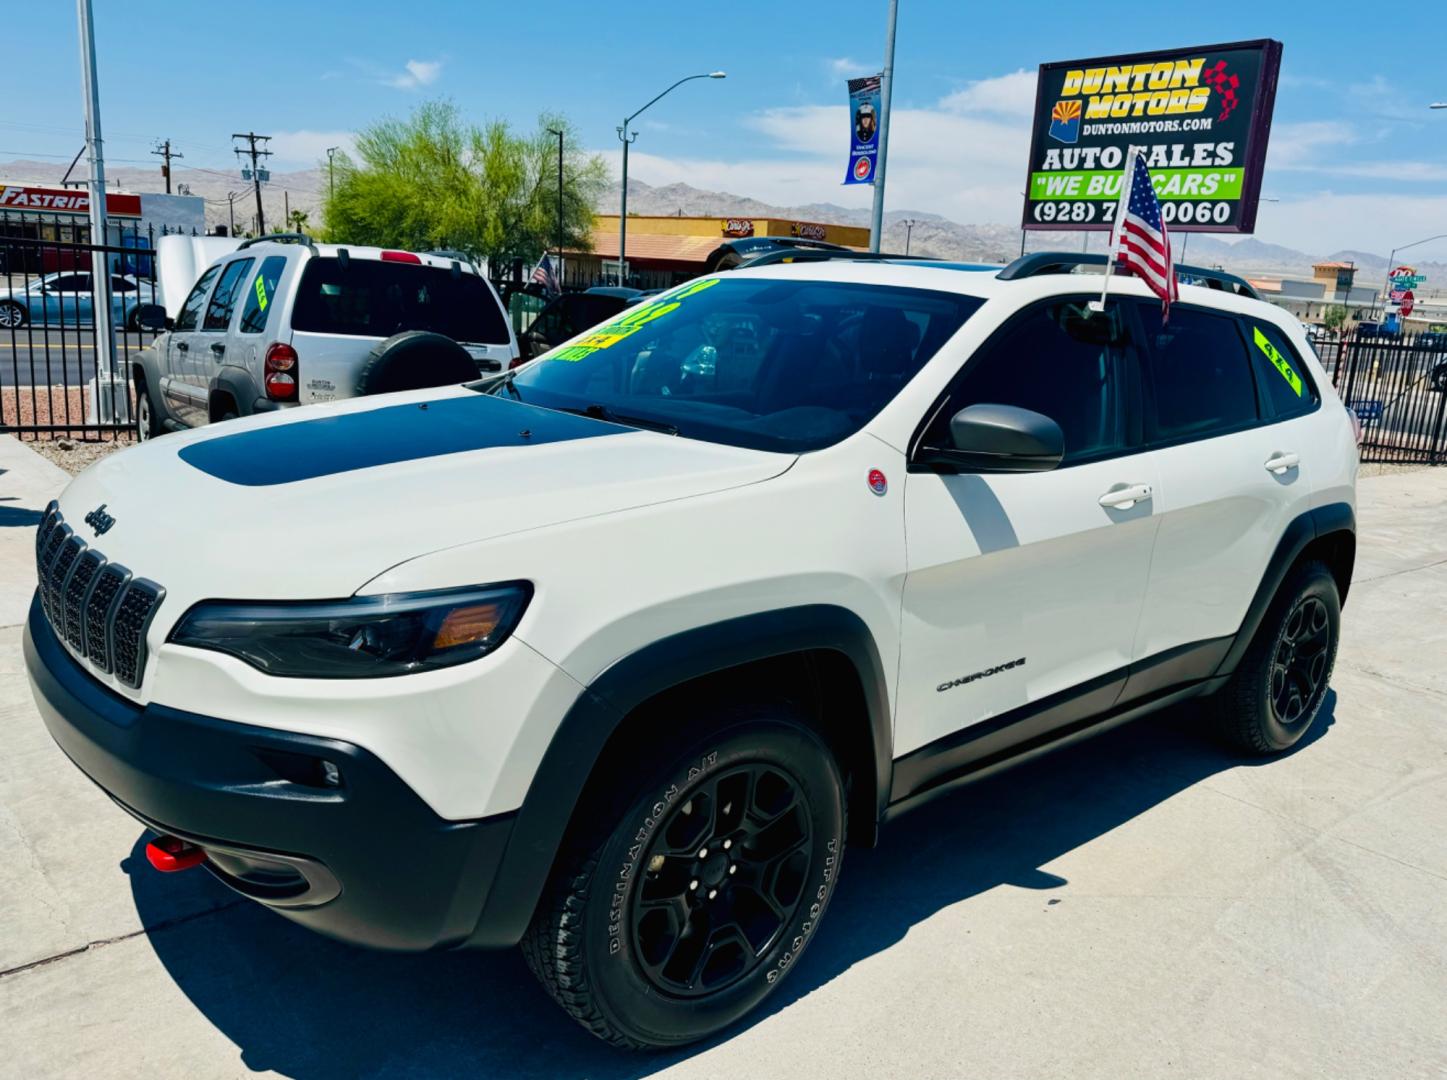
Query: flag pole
x=1121, y=206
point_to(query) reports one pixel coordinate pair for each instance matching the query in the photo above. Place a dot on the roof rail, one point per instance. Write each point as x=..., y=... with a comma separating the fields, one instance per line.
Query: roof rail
x=798, y=253
x=1063, y=262
x=281, y=238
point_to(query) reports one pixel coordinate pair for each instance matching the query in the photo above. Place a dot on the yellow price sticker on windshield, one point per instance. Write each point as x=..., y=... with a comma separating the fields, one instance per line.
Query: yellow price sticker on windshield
x=607, y=336
x=1278, y=361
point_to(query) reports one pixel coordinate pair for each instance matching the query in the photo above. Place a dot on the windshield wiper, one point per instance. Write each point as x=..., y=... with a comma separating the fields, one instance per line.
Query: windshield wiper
x=599, y=411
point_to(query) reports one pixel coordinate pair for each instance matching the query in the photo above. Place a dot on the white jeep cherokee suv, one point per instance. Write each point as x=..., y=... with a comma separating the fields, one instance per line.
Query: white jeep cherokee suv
x=613, y=655
x=283, y=321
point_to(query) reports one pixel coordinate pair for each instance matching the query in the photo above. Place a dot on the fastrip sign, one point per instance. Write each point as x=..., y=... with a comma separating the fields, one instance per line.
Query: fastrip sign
x=1201, y=117
x=42, y=200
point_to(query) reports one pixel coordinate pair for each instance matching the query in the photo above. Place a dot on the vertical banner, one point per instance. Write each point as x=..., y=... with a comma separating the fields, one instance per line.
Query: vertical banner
x=864, y=129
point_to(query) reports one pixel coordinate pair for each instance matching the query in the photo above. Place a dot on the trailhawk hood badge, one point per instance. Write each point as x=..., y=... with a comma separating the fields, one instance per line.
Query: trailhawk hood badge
x=99, y=520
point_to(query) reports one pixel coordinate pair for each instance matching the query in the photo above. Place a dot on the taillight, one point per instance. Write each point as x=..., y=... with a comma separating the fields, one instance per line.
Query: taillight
x=516, y=362
x=401, y=256
x=281, y=372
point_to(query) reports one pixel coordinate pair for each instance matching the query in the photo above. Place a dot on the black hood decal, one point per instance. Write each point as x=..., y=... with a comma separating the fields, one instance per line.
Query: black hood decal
x=328, y=445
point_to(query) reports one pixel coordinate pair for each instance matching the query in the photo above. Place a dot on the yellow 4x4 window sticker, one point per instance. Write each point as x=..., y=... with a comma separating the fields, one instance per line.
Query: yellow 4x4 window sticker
x=261, y=300
x=636, y=319
x=1278, y=361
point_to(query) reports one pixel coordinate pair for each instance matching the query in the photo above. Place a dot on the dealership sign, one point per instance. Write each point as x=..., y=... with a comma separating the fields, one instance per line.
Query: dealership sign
x=41, y=200
x=1200, y=116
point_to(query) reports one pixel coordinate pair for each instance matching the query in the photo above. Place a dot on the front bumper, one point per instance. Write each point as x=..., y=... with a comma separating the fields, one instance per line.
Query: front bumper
x=365, y=860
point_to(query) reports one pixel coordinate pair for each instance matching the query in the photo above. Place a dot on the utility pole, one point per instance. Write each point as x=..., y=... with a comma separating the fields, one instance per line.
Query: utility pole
x=231, y=197
x=559, y=133
x=285, y=209
x=886, y=89
x=331, y=183
x=909, y=224
x=256, y=153
x=100, y=272
x=163, y=150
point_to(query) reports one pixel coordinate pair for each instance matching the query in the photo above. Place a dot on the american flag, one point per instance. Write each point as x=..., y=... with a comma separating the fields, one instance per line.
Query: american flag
x=544, y=276
x=1139, y=241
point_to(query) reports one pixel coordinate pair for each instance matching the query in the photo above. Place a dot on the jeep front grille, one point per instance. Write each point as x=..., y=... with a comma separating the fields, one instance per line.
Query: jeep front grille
x=95, y=606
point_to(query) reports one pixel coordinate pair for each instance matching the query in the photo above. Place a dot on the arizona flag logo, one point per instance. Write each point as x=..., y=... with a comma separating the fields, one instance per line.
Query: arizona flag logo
x=1065, y=121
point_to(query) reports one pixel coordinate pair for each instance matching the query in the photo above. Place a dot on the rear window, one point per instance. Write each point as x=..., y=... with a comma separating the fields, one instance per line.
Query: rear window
x=370, y=298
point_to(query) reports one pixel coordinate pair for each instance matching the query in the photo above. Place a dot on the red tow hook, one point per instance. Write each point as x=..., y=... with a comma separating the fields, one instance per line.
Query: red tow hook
x=170, y=853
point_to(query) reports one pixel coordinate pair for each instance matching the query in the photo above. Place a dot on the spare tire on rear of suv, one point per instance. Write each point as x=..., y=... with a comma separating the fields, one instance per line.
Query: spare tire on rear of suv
x=415, y=359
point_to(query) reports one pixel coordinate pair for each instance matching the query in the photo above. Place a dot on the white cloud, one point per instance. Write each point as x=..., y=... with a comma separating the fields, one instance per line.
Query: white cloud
x=1294, y=146
x=1326, y=222
x=304, y=149
x=1004, y=95
x=846, y=67
x=417, y=73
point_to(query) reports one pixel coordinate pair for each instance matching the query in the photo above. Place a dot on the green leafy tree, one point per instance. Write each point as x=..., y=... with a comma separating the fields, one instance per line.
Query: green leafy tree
x=434, y=180
x=1334, y=317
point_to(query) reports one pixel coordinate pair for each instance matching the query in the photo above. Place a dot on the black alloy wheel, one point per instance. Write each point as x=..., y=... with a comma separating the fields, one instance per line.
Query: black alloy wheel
x=1278, y=688
x=722, y=879
x=1298, y=673
x=695, y=876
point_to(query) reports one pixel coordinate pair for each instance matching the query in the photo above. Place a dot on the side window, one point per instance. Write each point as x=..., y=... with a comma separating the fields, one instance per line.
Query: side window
x=223, y=300
x=1279, y=369
x=262, y=295
x=191, y=309
x=70, y=283
x=122, y=285
x=1198, y=376
x=1057, y=360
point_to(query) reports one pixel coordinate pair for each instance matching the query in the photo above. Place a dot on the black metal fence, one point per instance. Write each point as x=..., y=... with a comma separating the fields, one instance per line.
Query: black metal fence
x=1397, y=385
x=56, y=379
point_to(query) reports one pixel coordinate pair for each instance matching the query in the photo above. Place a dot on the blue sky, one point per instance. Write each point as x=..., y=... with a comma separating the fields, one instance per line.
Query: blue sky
x=1356, y=159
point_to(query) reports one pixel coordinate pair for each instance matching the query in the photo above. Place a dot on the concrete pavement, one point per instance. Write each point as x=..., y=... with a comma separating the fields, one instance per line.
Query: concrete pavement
x=1143, y=905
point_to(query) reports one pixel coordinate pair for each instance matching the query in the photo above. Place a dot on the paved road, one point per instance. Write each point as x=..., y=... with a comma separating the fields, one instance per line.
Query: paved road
x=1141, y=906
x=53, y=360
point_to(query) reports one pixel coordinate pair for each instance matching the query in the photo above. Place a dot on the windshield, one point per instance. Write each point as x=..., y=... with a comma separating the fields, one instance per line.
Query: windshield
x=764, y=363
x=371, y=298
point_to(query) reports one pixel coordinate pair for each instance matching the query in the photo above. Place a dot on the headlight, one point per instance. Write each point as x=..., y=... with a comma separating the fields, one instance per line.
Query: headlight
x=364, y=637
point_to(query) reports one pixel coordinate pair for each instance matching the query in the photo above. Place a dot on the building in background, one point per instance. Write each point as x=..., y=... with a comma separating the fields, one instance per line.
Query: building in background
x=1332, y=284
x=664, y=251
x=58, y=216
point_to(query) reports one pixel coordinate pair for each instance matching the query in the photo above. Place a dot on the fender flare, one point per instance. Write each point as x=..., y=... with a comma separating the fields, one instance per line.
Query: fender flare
x=598, y=712
x=239, y=384
x=1316, y=524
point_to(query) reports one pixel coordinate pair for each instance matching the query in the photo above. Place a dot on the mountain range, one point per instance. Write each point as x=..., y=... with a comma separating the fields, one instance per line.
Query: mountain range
x=929, y=234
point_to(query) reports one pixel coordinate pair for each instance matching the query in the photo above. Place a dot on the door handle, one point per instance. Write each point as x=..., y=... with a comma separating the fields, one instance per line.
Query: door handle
x=182, y=346
x=1123, y=498
x=1280, y=461
x=218, y=348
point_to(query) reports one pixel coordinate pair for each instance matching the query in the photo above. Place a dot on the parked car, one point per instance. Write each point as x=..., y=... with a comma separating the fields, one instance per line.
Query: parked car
x=65, y=299
x=614, y=655
x=284, y=321
x=569, y=314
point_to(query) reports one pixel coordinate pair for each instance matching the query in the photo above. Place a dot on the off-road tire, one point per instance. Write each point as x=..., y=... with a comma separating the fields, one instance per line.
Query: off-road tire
x=1245, y=711
x=414, y=360
x=583, y=943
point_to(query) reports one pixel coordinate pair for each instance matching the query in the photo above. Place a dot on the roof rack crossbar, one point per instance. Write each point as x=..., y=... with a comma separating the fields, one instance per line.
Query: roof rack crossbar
x=280, y=238
x=1063, y=262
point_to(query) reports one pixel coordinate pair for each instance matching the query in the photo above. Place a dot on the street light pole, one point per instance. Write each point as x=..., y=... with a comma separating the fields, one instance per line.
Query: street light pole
x=909, y=224
x=627, y=139
x=559, y=133
x=331, y=183
x=1387, y=282
x=886, y=91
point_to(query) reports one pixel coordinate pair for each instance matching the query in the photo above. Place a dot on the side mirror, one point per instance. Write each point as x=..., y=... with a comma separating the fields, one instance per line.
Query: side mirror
x=998, y=439
x=153, y=317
